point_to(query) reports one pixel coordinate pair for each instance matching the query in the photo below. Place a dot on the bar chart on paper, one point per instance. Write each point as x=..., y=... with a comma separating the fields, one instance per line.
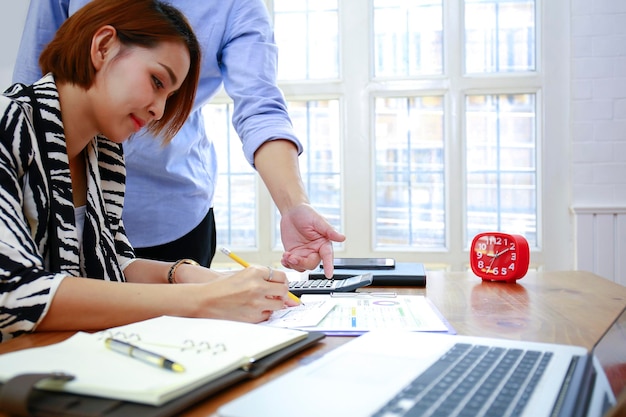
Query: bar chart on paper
x=356, y=313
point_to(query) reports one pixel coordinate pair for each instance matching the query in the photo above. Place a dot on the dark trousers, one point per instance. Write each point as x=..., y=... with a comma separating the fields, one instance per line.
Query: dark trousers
x=199, y=245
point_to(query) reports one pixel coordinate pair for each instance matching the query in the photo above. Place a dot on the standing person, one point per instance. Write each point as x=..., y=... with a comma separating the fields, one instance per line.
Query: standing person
x=168, y=212
x=113, y=67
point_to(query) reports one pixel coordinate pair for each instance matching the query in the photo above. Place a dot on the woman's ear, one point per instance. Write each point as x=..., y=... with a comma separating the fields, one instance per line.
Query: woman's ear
x=103, y=42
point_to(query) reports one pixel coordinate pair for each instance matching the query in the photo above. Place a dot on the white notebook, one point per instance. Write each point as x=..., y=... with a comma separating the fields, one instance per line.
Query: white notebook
x=207, y=348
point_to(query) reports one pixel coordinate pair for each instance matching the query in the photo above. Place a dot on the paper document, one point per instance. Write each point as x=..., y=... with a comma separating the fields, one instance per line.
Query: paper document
x=309, y=314
x=356, y=313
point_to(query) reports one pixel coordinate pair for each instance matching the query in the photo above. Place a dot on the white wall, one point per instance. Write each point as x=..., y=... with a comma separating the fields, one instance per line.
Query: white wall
x=598, y=142
x=598, y=48
x=12, y=16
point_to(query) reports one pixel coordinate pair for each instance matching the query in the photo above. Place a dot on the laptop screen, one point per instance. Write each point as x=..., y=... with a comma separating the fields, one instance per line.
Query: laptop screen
x=611, y=353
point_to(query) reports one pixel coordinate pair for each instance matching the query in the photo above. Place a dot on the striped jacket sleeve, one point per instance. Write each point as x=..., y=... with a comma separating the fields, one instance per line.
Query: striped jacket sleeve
x=26, y=288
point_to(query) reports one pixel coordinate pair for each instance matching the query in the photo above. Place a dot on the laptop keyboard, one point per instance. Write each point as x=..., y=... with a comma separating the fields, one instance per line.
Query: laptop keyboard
x=471, y=380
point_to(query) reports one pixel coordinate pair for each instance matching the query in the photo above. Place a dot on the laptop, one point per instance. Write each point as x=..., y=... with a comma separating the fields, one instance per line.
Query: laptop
x=397, y=373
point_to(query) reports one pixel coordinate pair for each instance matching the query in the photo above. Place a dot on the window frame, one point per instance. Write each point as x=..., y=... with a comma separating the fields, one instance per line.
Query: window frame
x=550, y=83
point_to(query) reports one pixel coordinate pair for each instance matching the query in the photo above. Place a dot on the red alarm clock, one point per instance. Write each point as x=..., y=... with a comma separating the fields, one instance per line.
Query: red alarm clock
x=496, y=256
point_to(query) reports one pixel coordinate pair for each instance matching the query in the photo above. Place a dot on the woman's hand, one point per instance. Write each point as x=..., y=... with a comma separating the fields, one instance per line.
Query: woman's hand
x=245, y=295
x=248, y=295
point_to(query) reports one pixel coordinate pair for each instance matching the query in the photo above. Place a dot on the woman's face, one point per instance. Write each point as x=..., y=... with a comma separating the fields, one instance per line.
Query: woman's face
x=132, y=87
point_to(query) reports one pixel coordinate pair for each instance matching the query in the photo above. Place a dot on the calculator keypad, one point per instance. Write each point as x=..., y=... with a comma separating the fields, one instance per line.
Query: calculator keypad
x=312, y=283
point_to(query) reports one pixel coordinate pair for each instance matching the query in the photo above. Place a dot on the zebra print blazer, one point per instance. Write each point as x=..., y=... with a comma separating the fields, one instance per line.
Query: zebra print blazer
x=38, y=235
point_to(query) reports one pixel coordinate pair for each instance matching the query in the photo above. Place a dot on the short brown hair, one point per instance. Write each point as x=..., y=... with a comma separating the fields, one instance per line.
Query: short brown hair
x=137, y=22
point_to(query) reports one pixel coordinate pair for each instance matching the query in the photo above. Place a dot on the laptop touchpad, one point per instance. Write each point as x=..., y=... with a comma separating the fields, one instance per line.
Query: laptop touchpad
x=366, y=369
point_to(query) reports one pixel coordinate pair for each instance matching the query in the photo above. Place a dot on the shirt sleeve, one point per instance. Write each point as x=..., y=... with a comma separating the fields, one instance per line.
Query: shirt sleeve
x=249, y=61
x=43, y=19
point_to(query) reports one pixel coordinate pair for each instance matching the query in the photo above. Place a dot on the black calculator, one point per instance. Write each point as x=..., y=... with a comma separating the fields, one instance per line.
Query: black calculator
x=326, y=286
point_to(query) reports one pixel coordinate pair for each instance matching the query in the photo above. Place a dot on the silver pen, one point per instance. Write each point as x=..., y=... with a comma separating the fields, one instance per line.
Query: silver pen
x=143, y=355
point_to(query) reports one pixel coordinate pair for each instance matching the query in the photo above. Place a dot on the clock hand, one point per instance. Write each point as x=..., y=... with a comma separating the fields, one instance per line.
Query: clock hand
x=489, y=267
x=494, y=256
x=500, y=253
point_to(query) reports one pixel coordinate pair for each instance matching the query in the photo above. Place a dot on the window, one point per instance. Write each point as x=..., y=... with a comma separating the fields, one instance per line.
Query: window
x=236, y=193
x=410, y=173
x=423, y=124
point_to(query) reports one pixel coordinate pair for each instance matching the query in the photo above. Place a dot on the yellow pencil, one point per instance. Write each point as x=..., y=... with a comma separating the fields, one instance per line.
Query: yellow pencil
x=246, y=264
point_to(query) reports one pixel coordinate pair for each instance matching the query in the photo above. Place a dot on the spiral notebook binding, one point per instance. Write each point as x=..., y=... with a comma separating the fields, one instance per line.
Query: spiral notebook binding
x=187, y=345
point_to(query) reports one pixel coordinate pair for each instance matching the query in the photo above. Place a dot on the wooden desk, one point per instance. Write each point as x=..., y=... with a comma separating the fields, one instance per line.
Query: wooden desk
x=570, y=307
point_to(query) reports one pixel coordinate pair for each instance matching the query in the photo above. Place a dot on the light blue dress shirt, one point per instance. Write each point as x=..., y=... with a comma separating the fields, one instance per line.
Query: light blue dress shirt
x=170, y=189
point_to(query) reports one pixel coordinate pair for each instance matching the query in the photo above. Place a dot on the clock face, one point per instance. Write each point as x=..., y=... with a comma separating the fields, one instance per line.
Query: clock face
x=499, y=256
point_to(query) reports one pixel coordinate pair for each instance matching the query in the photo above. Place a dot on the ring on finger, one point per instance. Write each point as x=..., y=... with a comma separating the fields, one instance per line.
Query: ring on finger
x=271, y=274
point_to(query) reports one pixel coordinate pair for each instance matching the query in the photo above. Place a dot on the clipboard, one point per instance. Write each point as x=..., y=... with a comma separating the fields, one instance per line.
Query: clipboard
x=19, y=397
